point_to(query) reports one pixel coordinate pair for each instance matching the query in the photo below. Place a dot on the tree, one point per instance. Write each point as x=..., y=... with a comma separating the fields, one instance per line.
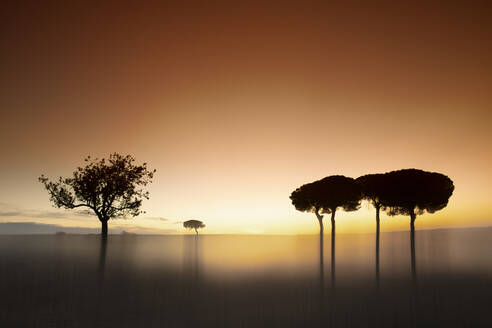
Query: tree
x=413, y=192
x=194, y=224
x=326, y=196
x=373, y=188
x=110, y=188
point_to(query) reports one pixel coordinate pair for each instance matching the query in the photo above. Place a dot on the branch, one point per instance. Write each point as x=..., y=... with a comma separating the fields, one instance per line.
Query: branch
x=129, y=207
x=86, y=205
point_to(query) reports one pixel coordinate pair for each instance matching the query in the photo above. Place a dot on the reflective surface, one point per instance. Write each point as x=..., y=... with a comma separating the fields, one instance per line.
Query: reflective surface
x=250, y=281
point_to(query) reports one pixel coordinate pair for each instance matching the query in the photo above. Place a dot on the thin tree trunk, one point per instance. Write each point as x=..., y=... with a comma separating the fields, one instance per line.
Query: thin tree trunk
x=412, y=247
x=196, y=231
x=377, y=246
x=104, y=228
x=333, y=248
x=321, y=243
x=321, y=250
x=321, y=268
x=414, y=303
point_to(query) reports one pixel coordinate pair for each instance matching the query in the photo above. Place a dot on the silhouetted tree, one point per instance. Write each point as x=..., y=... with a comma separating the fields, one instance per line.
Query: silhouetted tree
x=326, y=196
x=110, y=188
x=194, y=224
x=413, y=192
x=307, y=199
x=374, y=189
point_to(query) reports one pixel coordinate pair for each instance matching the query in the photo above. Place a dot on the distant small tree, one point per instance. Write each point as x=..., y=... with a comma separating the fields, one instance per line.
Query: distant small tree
x=194, y=224
x=412, y=192
x=326, y=196
x=110, y=188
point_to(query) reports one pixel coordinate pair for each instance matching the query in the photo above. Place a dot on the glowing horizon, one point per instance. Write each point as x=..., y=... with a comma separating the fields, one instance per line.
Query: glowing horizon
x=237, y=107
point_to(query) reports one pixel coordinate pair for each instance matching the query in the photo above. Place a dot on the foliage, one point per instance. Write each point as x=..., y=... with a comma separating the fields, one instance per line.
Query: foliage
x=193, y=224
x=374, y=188
x=111, y=188
x=412, y=192
x=328, y=194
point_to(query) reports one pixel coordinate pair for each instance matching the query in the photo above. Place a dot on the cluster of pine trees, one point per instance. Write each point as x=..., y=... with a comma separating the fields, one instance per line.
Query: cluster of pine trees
x=407, y=192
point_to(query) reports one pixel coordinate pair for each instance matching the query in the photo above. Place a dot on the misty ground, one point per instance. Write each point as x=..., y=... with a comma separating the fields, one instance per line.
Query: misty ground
x=245, y=281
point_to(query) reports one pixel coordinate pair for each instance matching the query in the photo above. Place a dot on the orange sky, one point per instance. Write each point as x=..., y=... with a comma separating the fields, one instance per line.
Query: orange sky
x=237, y=104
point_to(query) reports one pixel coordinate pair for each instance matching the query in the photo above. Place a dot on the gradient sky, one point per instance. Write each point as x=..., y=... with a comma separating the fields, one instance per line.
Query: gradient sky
x=238, y=103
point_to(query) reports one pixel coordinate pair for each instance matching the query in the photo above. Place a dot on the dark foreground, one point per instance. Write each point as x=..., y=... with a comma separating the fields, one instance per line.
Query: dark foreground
x=246, y=281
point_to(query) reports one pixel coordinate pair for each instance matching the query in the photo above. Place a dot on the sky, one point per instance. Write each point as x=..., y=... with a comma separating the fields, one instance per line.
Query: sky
x=236, y=104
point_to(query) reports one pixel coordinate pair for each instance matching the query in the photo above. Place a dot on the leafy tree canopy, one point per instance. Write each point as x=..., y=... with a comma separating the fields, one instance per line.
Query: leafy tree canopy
x=328, y=194
x=194, y=224
x=374, y=188
x=412, y=191
x=111, y=188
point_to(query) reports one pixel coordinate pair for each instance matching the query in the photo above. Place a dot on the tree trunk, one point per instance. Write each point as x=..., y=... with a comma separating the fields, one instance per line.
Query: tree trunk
x=377, y=245
x=321, y=266
x=321, y=250
x=321, y=241
x=333, y=248
x=333, y=222
x=413, y=216
x=104, y=228
x=321, y=227
x=196, y=231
